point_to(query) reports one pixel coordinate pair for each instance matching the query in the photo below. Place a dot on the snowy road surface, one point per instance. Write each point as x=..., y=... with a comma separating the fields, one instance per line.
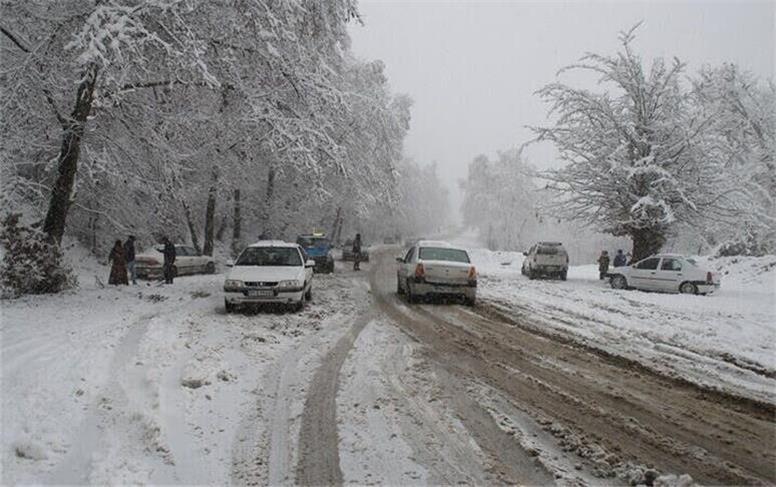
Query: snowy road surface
x=159, y=385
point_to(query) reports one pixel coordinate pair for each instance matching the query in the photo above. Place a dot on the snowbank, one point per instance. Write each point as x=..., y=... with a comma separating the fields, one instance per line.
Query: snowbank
x=727, y=340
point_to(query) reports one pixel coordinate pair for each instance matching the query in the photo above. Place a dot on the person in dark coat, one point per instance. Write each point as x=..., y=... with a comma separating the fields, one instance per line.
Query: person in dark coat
x=118, y=268
x=129, y=251
x=603, y=264
x=357, y=252
x=169, y=261
x=620, y=259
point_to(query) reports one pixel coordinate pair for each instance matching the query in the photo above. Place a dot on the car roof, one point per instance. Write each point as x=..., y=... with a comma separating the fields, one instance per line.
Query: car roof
x=273, y=243
x=549, y=243
x=434, y=243
x=669, y=255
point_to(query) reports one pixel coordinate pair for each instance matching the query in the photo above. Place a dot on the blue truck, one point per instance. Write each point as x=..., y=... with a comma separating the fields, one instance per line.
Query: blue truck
x=318, y=248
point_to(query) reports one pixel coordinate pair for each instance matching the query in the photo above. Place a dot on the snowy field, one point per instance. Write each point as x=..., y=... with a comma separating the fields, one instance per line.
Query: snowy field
x=155, y=384
x=726, y=340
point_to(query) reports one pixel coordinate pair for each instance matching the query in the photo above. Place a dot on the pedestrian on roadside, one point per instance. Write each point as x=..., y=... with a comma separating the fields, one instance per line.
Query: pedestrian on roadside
x=169, y=260
x=603, y=264
x=357, y=252
x=129, y=251
x=619, y=259
x=118, y=268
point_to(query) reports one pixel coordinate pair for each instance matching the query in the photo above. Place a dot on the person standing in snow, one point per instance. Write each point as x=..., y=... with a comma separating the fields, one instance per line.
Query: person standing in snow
x=118, y=268
x=603, y=264
x=129, y=251
x=357, y=252
x=169, y=261
x=620, y=259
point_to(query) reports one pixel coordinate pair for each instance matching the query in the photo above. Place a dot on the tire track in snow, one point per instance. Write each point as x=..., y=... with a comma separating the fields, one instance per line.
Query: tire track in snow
x=319, y=462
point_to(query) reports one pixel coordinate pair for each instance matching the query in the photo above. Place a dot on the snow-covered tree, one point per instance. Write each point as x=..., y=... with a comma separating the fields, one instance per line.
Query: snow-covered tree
x=634, y=153
x=742, y=139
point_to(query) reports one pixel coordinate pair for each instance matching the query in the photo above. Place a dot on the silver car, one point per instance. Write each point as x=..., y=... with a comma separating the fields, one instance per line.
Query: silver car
x=431, y=268
x=546, y=259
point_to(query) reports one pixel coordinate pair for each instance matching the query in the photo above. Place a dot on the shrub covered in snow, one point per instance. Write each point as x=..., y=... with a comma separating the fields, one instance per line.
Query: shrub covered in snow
x=30, y=265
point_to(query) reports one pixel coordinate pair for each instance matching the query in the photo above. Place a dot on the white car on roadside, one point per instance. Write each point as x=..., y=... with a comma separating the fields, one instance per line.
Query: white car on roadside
x=149, y=265
x=666, y=272
x=270, y=271
x=431, y=268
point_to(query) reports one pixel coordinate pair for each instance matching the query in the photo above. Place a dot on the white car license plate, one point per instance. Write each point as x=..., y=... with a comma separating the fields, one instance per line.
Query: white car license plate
x=260, y=293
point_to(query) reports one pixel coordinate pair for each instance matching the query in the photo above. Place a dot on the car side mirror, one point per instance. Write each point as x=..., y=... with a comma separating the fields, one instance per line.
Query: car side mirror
x=400, y=260
x=230, y=263
x=525, y=253
x=310, y=263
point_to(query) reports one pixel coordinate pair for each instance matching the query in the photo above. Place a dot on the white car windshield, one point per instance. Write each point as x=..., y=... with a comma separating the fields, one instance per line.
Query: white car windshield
x=270, y=256
x=441, y=253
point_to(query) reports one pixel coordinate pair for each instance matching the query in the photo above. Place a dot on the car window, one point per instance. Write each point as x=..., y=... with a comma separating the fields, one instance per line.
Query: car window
x=191, y=251
x=410, y=254
x=550, y=250
x=305, y=257
x=442, y=253
x=181, y=251
x=648, y=264
x=270, y=256
x=671, y=265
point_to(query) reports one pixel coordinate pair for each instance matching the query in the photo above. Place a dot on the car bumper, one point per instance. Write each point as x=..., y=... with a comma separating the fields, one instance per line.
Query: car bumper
x=282, y=297
x=429, y=289
x=706, y=288
x=550, y=269
x=146, y=272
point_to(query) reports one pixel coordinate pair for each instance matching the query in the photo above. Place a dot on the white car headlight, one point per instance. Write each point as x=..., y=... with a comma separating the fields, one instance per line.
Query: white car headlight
x=233, y=283
x=289, y=284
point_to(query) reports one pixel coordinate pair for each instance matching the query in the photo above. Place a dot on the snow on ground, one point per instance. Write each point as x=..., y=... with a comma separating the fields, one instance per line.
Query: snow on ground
x=146, y=384
x=726, y=340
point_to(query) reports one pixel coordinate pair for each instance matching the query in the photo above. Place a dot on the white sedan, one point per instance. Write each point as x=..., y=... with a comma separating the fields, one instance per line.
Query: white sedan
x=270, y=271
x=436, y=269
x=187, y=261
x=666, y=272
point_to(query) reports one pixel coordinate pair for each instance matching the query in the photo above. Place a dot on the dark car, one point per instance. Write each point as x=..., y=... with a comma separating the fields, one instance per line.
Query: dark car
x=318, y=248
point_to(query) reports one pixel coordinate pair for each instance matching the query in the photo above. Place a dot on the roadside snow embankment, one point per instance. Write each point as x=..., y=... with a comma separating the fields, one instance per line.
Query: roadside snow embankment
x=726, y=340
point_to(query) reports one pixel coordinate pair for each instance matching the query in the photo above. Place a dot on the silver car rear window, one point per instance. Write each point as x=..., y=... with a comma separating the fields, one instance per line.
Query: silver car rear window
x=441, y=253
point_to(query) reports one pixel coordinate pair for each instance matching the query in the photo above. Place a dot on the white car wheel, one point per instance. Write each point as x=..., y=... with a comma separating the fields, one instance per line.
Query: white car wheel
x=688, y=288
x=619, y=282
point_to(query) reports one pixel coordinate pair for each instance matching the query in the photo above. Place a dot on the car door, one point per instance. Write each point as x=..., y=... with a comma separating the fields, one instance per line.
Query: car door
x=308, y=271
x=184, y=259
x=404, y=266
x=669, y=274
x=643, y=275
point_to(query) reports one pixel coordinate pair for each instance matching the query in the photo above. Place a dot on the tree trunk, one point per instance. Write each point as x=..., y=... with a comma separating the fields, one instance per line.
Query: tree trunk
x=192, y=228
x=210, y=213
x=267, y=210
x=236, y=245
x=221, y=229
x=646, y=242
x=333, y=234
x=67, y=163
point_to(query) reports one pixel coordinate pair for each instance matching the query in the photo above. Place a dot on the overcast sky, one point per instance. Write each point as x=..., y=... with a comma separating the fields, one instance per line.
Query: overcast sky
x=472, y=67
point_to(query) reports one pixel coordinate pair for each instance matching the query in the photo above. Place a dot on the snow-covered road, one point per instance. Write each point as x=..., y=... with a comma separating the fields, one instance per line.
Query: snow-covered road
x=544, y=382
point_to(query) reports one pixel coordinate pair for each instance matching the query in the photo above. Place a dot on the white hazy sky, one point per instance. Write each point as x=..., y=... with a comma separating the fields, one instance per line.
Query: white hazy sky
x=472, y=67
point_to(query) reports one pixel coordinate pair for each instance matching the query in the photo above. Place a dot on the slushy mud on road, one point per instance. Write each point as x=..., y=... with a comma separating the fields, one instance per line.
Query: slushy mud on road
x=597, y=417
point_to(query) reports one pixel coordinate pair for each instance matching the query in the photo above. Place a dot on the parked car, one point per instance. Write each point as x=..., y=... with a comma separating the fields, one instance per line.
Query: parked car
x=269, y=271
x=187, y=261
x=546, y=259
x=318, y=248
x=347, y=251
x=431, y=268
x=668, y=273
